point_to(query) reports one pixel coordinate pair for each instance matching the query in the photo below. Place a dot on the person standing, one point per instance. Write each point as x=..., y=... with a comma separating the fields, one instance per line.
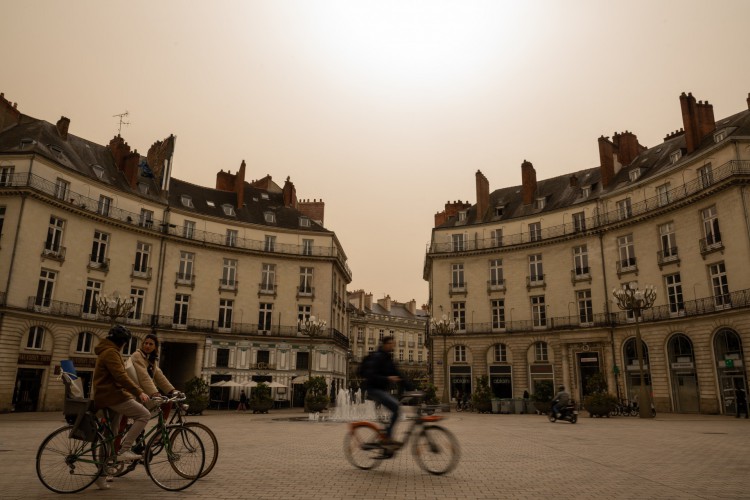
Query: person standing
x=740, y=400
x=243, y=402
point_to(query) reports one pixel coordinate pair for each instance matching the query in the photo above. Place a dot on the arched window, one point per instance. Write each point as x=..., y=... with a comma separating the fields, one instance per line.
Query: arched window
x=84, y=342
x=631, y=356
x=130, y=347
x=540, y=352
x=501, y=353
x=459, y=354
x=728, y=343
x=680, y=346
x=36, y=338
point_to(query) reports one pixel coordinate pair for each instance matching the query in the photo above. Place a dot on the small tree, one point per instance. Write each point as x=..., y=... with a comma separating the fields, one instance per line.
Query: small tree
x=482, y=397
x=543, y=391
x=430, y=393
x=599, y=401
x=196, y=392
x=316, y=394
x=260, y=398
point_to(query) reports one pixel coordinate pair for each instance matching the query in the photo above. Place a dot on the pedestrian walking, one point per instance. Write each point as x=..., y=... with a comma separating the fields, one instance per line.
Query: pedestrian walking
x=243, y=402
x=740, y=400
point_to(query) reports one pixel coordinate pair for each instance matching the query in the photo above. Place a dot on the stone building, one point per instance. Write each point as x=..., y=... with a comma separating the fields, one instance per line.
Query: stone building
x=222, y=274
x=527, y=271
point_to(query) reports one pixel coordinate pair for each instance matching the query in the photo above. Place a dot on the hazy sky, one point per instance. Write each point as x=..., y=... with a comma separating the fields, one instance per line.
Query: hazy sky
x=383, y=109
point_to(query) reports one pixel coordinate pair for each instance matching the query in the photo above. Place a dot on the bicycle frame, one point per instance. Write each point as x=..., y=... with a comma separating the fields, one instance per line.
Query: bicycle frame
x=418, y=421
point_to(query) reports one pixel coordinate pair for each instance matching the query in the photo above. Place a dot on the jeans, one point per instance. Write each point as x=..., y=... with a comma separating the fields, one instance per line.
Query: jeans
x=135, y=410
x=558, y=408
x=385, y=398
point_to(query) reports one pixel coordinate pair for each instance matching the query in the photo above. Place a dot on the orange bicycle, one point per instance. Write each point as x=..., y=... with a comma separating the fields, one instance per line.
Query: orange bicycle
x=434, y=447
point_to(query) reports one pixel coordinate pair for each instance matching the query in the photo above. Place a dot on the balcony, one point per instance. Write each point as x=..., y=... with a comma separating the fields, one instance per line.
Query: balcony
x=535, y=281
x=141, y=273
x=580, y=274
x=497, y=285
x=667, y=256
x=98, y=264
x=54, y=253
x=184, y=279
x=267, y=289
x=53, y=307
x=458, y=288
x=625, y=266
x=228, y=285
x=306, y=291
x=710, y=244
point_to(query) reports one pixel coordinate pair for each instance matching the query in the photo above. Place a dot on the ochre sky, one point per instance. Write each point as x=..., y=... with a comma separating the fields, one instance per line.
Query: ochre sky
x=383, y=109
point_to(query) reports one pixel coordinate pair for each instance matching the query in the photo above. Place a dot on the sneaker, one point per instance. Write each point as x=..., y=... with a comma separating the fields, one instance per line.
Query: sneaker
x=101, y=483
x=128, y=456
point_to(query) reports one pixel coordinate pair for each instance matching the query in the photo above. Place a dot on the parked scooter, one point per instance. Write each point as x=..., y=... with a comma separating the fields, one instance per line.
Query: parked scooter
x=568, y=413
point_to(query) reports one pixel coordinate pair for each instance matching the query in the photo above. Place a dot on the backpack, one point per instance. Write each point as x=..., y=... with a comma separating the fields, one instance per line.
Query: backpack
x=365, y=367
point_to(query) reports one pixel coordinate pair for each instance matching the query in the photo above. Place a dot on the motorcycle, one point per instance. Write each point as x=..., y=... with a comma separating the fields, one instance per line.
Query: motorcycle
x=568, y=413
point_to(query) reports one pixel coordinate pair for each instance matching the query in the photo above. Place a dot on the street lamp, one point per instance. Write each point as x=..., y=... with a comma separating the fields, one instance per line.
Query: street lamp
x=635, y=300
x=113, y=306
x=312, y=328
x=444, y=327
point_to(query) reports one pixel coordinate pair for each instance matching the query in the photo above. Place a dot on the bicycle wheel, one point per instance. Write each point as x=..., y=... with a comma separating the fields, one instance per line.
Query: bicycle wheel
x=67, y=465
x=177, y=464
x=436, y=450
x=210, y=444
x=362, y=448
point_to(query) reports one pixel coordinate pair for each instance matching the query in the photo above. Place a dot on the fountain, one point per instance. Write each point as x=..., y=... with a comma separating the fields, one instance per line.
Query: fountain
x=353, y=406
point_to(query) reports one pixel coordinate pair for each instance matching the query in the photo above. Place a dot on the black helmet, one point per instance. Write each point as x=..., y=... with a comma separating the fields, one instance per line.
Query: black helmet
x=119, y=334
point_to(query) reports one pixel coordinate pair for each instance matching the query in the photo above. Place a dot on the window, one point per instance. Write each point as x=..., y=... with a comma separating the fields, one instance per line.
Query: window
x=36, y=338
x=142, y=255
x=585, y=307
x=400, y=354
x=231, y=240
x=538, y=311
x=187, y=201
x=499, y=210
x=105, y=204
x=143, y=188
x=579, y=221
x=98, y=171
x=662, y=194
x=462, y=215
x=93, y=289
x=581, y=260
x=585, y=191
x=62, y=189
x=229, y=273
x=270, y=244
x=675, y=156
x=138, y=296
x=536, y=270
x=189, y=229
x=99, y=248
x=265, y=313
x=225, y=313
x=270, y=217
x=6, y=176
x=228, y=210
x=304, y=222
x=264, y=196
x=706, y=176
x=457, y=276
x=181, y=305
x=268, y=277
x=540, y=203
x=381, y=334
x=130, y=347
x=720, y=136
x=711, y=226
x=501, y=353
x=45, y=288
x=498, y=313
x=307, y=247
x=303, y=313
x=185, y=272
x=459, y=354
x=719, y=284
x=146, y=219
x=222, y=358
x=459, y=315
x=53, y=244
x=674, y=293
x=496, y=273
x=540, y=351
x=210, y=204
x=535, y=231
x=85, y=339
x=634, y=174
x=496, y=236
x=306, y=280
x=624, y=209
x=668, y=240
x=302, y=361
x=458, y=242
x=627, y=252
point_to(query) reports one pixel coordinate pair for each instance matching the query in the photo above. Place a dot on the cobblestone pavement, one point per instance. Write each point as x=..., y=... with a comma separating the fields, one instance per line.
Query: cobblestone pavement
x=503, y=456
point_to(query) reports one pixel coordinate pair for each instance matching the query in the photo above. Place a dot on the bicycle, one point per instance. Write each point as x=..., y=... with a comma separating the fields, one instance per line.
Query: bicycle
x=435, y=448
x=67, y=462
x=464, y=405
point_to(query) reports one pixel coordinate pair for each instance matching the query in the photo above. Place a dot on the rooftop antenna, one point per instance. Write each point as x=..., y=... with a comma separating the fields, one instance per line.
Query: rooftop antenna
x=121, y=116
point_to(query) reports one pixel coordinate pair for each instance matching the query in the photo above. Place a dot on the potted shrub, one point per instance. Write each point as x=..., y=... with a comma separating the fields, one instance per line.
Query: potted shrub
x=543, y=393
x=316, y=394
x=196, y=392
x=599, y=402
x=482, y=397
x=260, y=399
x=430, y=394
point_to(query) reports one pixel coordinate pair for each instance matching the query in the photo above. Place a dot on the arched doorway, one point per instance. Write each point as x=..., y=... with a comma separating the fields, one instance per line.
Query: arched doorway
x=632, y=369
x=460, y=371
x=731, y=366
x=684, y=380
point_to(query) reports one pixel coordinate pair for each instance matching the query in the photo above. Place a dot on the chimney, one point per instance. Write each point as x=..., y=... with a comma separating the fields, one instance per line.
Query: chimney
x=528, y=178
x=368, y=300
x=62, y=127
x=9, y=114
x=290, y=194
x=314, y=209
x=748, y=100
x=130, y=168
x=224, y=180
x=440, y=218
x=697, y=120
x=385, y=303
x=451, y=210
x=159, y=154
x=411, y=306
x=627, y=147
x=573, y=181
x=707, y=124
x=125, y=161
x=483, y=195
x=239, y=185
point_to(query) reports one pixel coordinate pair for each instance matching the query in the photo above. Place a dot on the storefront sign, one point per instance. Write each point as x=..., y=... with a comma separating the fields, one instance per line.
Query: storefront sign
x=589, y=360
x=461, y=380
x=501, y=380
x=682, y=366
x=34, y=359
x=83, y=362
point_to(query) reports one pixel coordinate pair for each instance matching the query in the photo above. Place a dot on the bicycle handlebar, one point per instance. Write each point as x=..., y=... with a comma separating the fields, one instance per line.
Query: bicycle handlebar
x=177, y=397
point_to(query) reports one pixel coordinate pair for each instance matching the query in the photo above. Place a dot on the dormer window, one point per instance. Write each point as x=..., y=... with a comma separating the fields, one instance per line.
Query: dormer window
x=462, y=216
x=27, y=142
x=210, y=203
x=720, y=136
x=499, y=210
x=270, y=217
x=187, y=201
x=635, y=174
x=228, y=210
x=540, y=203
x=264, y=196
x=586, y=191
x=675, y=156
x=304, y=222
x=98, y=171
x=143, y=187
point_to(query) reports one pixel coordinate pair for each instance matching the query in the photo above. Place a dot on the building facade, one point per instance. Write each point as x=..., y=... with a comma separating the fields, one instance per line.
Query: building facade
x=527, y=272
x=222, y=275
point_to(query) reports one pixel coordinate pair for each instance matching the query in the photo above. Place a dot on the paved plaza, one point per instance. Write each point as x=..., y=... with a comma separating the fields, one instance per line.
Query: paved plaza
x=503, y=456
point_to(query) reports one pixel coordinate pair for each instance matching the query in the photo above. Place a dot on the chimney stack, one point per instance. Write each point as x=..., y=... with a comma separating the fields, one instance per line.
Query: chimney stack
x=314, y=209
x=528, y=178
x=9, y=114
x=239, y=185
x=62, y=127
x=748, y=100
x=368, y=301
x=573, y=181
x=483, y=195
x=697, y=119
x=290, y=194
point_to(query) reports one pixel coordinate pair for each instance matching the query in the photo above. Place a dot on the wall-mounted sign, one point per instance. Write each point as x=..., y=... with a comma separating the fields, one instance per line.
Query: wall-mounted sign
x=34, y=359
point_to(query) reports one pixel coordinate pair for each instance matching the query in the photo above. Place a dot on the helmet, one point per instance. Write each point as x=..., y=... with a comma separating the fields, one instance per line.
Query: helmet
x=119, y=334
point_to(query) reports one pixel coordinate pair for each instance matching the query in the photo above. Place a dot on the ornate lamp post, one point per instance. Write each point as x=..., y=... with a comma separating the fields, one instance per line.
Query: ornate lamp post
x=113, y=306
x=444, y=327
x=635, y=300
x=312, y=328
